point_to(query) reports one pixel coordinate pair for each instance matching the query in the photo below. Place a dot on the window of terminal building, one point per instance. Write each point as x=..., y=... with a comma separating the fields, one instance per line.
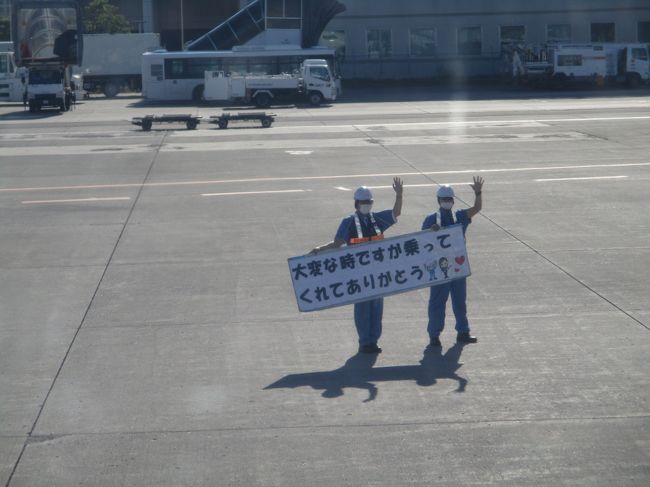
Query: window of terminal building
x=470, y=41
x=603, y=32
x=423, y=42
x=512, y=35
x=284, y=14
x=334, y=39
x=380, y=43
x=644, y=31
x=558, y=33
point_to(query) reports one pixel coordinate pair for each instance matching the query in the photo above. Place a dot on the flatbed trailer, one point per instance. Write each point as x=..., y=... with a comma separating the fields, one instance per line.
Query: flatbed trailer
x=266, y=119
x=146, y=122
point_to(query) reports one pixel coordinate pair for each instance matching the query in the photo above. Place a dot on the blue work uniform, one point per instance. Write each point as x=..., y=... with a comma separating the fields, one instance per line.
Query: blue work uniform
x=367, y=314
x=457, y=289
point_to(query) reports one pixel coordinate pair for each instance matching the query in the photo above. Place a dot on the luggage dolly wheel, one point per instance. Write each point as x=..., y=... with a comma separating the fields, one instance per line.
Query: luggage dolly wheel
x=146, y=124
x=191, y=124
x=266, y=122
x=223, y=124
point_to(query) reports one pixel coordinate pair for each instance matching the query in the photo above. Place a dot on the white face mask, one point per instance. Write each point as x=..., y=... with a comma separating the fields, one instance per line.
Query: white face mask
x=364, y=209
x=447, y=205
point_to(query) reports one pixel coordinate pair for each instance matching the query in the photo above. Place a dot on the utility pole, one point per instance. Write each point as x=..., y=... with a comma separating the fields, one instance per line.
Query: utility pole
x=182, y=29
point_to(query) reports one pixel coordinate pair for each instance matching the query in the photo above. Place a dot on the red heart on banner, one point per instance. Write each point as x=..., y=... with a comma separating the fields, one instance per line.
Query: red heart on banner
x=460, y=260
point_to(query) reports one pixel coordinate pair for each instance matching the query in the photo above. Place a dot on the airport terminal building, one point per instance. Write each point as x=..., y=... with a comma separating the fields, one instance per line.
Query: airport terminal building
x=385, y=39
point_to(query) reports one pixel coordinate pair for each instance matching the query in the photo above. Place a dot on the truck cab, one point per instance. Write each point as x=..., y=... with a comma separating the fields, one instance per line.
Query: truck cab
x=634, y=64
x=47, y=88
x=12, y=79
x=319, y=83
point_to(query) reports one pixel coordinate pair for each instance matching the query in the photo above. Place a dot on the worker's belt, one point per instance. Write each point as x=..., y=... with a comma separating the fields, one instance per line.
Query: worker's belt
x=360, y=240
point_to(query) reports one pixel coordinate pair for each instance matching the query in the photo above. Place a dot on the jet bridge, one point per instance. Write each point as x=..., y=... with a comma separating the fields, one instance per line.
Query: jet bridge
x=303, y=19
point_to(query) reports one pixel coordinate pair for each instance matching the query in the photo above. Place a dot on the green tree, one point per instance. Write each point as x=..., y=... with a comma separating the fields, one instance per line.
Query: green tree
x=103, y=18
x=4, y=29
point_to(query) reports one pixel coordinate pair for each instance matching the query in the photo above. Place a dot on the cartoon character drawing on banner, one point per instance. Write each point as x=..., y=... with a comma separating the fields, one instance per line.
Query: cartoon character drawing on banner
x=431, y=268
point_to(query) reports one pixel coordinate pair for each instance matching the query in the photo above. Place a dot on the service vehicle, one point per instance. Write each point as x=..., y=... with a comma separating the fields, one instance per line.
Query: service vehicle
x=313, y=82
x=598, y=63
x=47, y=43
x=177, y=76
x=13, y=79
x=48, y=87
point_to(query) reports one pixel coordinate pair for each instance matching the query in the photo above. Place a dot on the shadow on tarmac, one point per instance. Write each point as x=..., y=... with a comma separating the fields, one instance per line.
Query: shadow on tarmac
x=358, y=373
x=26, y=115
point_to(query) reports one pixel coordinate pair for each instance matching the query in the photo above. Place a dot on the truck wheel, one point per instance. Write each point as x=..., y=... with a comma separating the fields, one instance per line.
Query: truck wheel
x=223, y=124
x=191, y=124
x=62, y=106
x=266, y=122
x=32, y=107
x=146, y=125
x=315, y=98
x=262, y=100
x=197, y=93
x=111, y=89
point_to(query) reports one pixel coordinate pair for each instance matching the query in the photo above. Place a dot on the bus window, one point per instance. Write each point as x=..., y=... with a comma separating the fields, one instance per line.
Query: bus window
x=261, y=65
x=157, y=72
x=196, y=67
x=235, y=66
x=174, y=68
x=289, y=64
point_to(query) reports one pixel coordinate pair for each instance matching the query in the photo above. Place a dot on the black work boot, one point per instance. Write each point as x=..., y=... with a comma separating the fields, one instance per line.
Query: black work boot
x=369, y=349
x=435, y=342
x=466, y=338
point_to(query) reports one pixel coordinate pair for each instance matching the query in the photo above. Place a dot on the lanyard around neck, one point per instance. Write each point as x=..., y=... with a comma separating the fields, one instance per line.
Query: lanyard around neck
x=357, y=222
x=439, y=218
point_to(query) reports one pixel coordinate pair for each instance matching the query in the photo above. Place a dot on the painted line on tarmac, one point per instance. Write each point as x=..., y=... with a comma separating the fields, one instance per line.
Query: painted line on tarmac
x=77, y=200
x=241, y=193
x=362, y=140
x=527, y=123
x=579, y=179
x=323, y=178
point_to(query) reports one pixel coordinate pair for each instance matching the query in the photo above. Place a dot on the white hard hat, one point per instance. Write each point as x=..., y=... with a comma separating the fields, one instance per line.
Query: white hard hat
x=363, y=194
x=445, y=191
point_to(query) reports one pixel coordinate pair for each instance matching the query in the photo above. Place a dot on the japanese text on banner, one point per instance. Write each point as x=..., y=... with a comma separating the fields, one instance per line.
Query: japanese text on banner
x=357, y=273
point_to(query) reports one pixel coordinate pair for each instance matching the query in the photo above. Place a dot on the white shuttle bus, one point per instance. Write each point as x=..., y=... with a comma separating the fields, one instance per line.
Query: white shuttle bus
x=168, y=76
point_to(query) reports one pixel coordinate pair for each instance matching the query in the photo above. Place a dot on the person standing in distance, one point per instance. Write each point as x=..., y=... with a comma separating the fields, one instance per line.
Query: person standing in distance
x=458, y=289
x=361, y=227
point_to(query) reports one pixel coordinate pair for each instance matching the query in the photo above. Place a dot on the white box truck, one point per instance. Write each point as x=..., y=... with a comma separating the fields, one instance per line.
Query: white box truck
x=313, y=82
x=112, y=63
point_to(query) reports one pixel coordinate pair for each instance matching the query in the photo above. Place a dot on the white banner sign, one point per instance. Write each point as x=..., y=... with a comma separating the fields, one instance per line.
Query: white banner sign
x=355, y=273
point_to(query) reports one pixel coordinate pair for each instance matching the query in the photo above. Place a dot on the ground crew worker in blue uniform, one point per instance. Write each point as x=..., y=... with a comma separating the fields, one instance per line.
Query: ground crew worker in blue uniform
x=358, y=228
x=458, y=289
